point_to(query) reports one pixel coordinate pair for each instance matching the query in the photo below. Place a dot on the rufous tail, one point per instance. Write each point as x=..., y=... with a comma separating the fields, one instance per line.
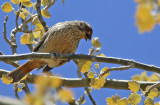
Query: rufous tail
x=24, y=69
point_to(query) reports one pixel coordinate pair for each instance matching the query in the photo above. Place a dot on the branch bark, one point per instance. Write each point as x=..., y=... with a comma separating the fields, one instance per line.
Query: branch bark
x=120, y=61
x=84, y=82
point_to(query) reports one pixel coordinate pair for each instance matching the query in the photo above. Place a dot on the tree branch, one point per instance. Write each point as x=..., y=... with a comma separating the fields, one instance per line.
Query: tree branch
x=84, y=82
x=4, y=31
x=11, y=62
x=120, y=61
x=10, y=101
x=38, y=7
x=116, y=69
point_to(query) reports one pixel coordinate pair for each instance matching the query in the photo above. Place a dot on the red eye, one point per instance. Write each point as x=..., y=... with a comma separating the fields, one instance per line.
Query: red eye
x=87, y=29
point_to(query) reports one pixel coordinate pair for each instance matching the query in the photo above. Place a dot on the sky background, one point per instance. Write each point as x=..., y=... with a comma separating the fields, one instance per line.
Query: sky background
x=113, y=21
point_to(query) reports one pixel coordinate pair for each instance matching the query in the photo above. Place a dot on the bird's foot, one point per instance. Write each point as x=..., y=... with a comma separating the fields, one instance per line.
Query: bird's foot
x=54, y=56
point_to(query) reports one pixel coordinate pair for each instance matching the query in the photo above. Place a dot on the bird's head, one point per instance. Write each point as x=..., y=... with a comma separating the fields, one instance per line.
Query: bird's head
x=86, y=30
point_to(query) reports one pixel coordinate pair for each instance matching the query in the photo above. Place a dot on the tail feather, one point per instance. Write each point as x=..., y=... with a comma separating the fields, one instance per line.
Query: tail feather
x=24, y=69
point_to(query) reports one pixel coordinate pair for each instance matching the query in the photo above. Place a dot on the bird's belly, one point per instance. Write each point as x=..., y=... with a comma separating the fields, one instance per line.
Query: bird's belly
x=52, y=63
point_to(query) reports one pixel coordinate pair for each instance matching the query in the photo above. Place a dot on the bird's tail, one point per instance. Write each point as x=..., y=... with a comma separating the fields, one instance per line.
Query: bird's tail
x=24, y=69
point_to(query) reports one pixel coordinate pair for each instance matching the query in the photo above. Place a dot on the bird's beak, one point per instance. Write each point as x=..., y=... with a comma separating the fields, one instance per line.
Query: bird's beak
x=88, y=37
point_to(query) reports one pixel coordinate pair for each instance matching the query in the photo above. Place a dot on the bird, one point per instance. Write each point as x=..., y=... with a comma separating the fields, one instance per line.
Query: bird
x=61, y=38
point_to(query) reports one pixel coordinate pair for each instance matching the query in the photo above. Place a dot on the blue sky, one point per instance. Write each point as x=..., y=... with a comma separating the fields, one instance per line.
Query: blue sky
x=113, y=22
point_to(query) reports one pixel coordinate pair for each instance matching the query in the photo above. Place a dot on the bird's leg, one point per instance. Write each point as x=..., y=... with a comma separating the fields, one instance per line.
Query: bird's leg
x=46, y=69
x=54, y=56
x=69, y=58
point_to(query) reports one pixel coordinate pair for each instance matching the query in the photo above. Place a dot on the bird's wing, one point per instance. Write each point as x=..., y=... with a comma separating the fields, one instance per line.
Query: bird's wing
x=39, y=44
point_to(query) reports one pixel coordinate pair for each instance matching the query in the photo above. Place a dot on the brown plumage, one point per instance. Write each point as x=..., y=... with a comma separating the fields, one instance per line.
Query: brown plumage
x=62, y=38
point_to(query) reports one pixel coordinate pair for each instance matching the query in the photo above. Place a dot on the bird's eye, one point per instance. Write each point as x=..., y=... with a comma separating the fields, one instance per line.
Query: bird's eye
x=87, y=29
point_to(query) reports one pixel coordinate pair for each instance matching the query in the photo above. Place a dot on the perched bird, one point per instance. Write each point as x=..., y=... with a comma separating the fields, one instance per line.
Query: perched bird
x=62, y=38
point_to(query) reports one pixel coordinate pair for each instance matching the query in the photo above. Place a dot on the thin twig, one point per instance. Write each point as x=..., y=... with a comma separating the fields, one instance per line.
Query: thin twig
x=25, y=88
x=13, y=36
x=38, y=7
x=17, y=16
x=16, y=91
x=4, y=31
x=82, y=98
x=116, y=69
x=90, y=96
x=113, y=60
x=150, y=88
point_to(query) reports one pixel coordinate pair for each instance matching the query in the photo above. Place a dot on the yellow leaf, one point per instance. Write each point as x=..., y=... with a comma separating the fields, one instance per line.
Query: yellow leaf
x=101, y=55
x=153, y=93
x=158, y=3
x=27, y=4
x=44, y=82
x=6, y=7
x=90, y=74
x=97, y=83
x=134, y=86
x=34, y=99
x=98, y=49
x=83, y=101
x=27, y=38
x=23, y=14
x=44, y=2
x=34, y=6
x=148, y=101
x=36, y=34
x=157, y=103
x=100, y=82
x=39, y=26
x=35, y=20
x=15, y=1
x=18, y=89
x=6, y=79
x=96, y=66
x=95, y=42
x=134, y=98
x=65, y=95
x=24, y=0
x=145, y=77
x=144, y=19
x=84, y=65
x=103, y=70
x=154, y=77
x=56, y=82
x=24, y=77
x=122, y=101
x=136, y=78
x=45, y=13
x=113, y=100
